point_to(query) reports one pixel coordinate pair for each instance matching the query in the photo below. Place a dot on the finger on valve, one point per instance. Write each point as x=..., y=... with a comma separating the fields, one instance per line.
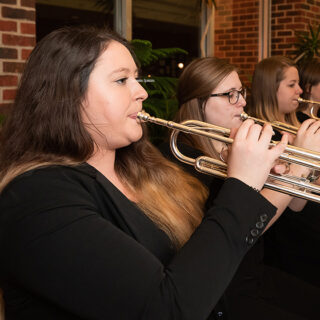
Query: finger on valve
x=250, y=158
x=308, y=135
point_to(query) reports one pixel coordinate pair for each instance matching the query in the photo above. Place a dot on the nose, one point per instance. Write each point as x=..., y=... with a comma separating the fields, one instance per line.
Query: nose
x=141, y=93
x=298, y=90
x=242, y=101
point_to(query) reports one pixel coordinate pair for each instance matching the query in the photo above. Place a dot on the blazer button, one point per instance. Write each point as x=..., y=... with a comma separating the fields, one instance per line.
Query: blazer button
x=263, y=217
x=260, y=225
x=249, y=240
x=254, y=232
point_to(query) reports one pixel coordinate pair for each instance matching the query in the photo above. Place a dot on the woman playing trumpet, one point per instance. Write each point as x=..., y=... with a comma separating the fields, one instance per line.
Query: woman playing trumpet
x=210, y=90
x=94, y=222
x=292, y=243
x=310, y=84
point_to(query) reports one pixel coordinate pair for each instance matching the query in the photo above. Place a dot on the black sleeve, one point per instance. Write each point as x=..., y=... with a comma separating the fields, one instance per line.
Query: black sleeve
x=65, y=252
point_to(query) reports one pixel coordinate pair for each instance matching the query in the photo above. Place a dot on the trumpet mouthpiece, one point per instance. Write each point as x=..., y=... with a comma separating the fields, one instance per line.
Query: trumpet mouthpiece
x=143, y=116
x=244, y=116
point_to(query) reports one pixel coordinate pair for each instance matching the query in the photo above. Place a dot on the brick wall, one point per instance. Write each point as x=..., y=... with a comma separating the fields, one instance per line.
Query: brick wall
x=237, y=29
x=237, y=33
x=17, y=39
x=289, y=16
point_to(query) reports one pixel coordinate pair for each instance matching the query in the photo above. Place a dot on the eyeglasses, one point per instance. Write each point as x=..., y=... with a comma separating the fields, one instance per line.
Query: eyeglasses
x=233, y=95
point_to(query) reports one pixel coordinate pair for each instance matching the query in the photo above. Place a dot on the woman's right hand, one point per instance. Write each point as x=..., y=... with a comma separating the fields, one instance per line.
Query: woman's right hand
x=251, y=159
x=308, y=135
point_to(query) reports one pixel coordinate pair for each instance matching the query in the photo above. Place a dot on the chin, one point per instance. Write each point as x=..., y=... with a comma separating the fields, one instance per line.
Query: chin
x=137, y=135
x=236, y=125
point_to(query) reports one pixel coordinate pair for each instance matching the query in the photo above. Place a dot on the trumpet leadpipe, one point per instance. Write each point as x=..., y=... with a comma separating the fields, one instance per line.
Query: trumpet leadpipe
x=280, y=126
x=308, y=101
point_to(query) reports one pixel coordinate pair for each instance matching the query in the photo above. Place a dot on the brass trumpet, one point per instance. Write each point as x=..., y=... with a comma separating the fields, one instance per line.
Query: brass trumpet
x=301, y=187
x=280, y=126
x=313, y=116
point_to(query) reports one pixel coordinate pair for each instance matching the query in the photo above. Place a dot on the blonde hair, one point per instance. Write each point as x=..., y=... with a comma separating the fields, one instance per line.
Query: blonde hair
x=266, y=80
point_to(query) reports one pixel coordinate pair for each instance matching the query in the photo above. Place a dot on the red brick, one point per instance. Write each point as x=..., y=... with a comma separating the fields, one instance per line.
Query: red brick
x=224, y=36
x=291, y=40
x=13, y=67
x=277, y=27
x=14, y=13
x=278, y=1
x=8, y=1
x=28, y=28
x=302, y=6
x=246, y=41
x=231, y=54
x=28, y=3
x=14, y=40
x=25, y=54
x=238, y=60
x=284, y=33
x=238, y=23
x=245, y=54
x=8, y=80
x=238, y=48
x=9, y=94
x=225, y=48
x=293, y=13
x=284, y=20
x=228, y=42
x=8, y=25
x=285, y=7
x=295, y=26
x=252, y=35
x=8, y=53
x=277, y=14
x=284, y=46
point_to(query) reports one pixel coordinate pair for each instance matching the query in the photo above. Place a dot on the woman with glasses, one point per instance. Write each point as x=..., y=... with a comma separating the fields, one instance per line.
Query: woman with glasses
x=294, y=242
x=210, y=90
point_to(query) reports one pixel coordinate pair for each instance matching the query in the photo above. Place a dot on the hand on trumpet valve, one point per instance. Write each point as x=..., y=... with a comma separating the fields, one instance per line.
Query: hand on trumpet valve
x=308, y=135
x=291, y=136
x=250, y=157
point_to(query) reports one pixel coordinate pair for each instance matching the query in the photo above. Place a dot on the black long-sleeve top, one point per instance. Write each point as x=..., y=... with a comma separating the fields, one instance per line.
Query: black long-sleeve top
x=74, y=247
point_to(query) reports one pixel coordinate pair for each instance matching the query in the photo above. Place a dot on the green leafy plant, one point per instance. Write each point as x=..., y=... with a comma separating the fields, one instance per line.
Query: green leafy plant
x=308, y=44
x=161, y=102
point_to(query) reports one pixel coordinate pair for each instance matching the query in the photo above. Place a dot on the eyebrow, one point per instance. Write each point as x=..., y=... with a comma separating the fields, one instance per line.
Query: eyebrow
x=233, y=88
x=122, y=70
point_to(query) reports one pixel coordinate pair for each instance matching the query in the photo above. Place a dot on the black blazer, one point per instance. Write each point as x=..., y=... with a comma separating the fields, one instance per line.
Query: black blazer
x=74, y=247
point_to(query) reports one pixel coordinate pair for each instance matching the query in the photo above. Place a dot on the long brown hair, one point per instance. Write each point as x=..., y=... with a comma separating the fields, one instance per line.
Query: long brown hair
x=309, y=74
x=195, y=85
x=266, y=80
x=45, y=127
